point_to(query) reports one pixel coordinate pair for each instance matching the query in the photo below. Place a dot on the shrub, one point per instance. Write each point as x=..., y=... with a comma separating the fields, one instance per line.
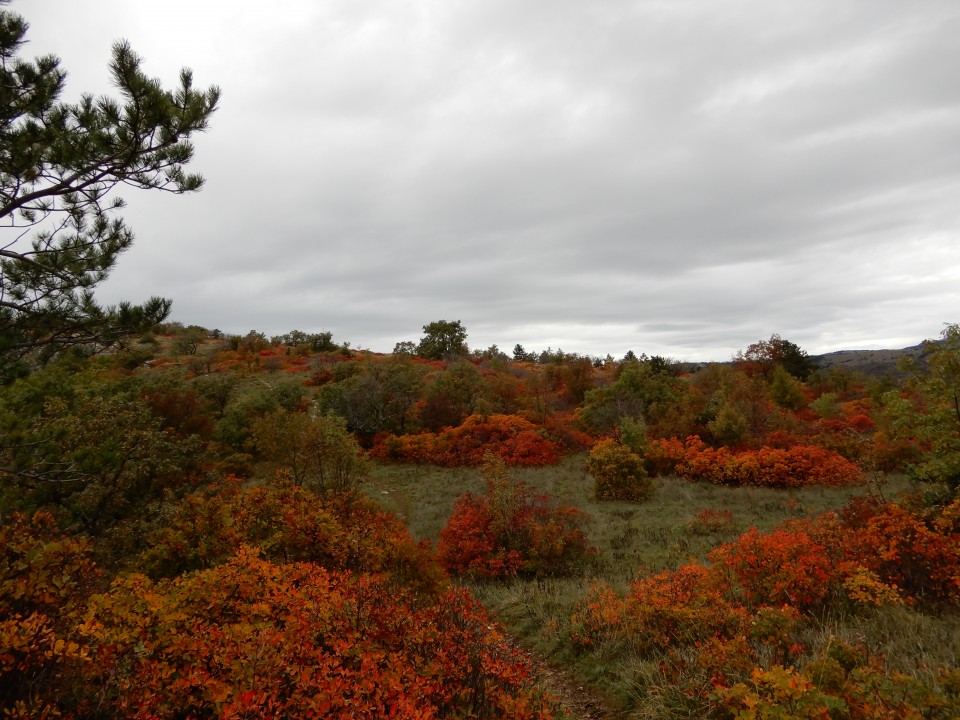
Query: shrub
x=288, y=523
x=516, y=440
x=680, y=607
x=777, y=692
x=619, y=472
x=733, y=638
x=511, y=530
x=919, y=557
x=253, y=639
x=708, y=522
x=45, y=578
x=842, y=680
x=786, y=566
x=795, y=466
x=317, y=450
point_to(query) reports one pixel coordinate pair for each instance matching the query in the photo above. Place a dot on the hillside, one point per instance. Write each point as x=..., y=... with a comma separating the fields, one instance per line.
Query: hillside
x=201, y=525
x=870, y=362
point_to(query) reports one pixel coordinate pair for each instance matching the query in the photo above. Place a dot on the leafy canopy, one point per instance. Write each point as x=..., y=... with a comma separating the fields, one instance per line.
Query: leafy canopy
x=937, y=423
x=442, y=339
x=762, y=356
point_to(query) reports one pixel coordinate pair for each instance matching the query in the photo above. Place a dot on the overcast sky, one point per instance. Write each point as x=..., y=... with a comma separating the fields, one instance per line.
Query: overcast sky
x=675, y=177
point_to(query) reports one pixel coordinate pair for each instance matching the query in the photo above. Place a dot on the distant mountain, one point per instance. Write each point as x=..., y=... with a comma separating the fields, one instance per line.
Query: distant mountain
x=870, y=362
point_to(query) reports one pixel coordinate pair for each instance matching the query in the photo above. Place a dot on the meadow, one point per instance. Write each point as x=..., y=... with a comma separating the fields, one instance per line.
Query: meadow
x=683, y=521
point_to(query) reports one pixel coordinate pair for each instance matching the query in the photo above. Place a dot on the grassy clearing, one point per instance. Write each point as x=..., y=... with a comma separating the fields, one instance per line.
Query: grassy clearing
x=653, y=535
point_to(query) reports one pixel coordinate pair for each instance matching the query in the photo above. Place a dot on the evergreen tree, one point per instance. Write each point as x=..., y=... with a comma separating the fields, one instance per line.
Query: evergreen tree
x=59, y=163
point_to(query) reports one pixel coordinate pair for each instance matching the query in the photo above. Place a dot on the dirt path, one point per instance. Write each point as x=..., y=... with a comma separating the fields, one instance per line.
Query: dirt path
x=579, y=701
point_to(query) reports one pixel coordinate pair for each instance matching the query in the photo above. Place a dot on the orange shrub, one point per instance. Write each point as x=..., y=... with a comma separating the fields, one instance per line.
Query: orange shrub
x=874, y=555
x=45, y=578
x=511, y=437
x=681, y=607
x=288, y=523
x=722, y=634
x=672, y=608
x=784, y=567
x=767, y=467
x=599, y=617
x=254, y=639
x=663, y=455
x=918, y=556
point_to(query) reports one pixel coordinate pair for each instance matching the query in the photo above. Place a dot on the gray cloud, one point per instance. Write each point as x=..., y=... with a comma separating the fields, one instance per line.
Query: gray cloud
x=679, y=177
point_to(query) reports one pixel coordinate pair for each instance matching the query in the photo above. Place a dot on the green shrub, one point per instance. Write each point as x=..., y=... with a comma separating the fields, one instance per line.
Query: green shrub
x=619, y=472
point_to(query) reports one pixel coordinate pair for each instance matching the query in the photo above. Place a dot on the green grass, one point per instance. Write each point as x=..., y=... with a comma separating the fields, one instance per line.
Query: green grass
x=648, y=536
x=654, y=534
x=421, y=495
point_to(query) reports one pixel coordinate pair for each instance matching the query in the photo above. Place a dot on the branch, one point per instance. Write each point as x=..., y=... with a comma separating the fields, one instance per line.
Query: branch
x=112, y=165
x=47, y=477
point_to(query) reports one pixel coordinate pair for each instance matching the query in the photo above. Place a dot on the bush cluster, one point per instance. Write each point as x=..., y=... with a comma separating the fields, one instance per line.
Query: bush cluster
x=288, y=523
x=248, y=637
x=794, y=466
x=516, y=440
x=511, y=530
x=728, y=634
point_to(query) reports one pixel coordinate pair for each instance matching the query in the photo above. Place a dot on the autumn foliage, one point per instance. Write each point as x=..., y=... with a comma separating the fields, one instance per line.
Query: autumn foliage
x=511, y=530
x=290, y=593
x=619, y=473
x=45, y=578
x=251, y=638
x=725, y=631
x=512, y=438
x=288, y=523
x=793, y=466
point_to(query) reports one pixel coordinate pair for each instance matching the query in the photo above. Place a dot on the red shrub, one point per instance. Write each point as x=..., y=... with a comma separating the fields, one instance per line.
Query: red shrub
x=561, y=431
x=785, y=567
x=710, y=521
x=253, y=639
x=511, y=530
x=516, y=440
x=663, y=456
x=181, y=411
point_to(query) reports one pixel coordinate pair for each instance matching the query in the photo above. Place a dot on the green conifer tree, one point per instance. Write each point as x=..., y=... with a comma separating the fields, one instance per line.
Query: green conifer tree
x=59, y=162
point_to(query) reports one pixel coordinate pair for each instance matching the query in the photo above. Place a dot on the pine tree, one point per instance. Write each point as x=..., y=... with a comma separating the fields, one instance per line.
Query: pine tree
x=59, y=162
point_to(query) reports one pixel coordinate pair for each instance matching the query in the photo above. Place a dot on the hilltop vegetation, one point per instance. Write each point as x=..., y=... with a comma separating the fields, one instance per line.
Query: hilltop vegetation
x=229, y=486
